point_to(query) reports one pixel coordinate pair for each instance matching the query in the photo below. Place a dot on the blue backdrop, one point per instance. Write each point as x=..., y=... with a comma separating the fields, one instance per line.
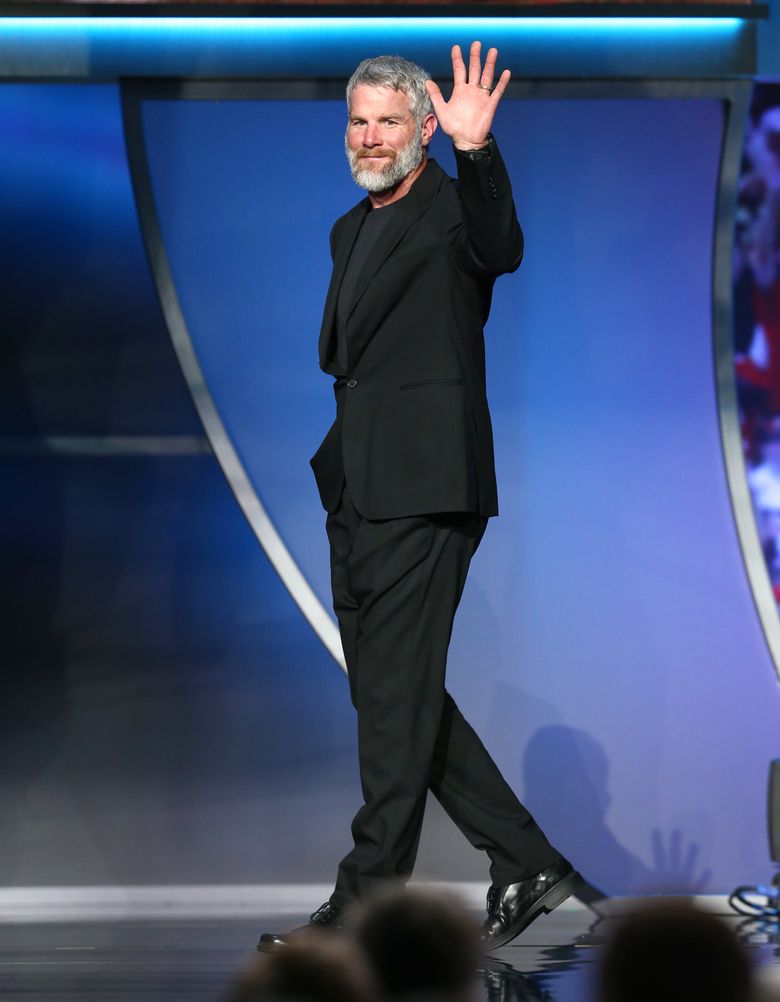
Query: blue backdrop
x=167, y=715
x=607, y=647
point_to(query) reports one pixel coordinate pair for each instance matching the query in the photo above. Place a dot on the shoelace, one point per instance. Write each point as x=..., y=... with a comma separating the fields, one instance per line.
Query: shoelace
x=492, y=898
x=322, y=912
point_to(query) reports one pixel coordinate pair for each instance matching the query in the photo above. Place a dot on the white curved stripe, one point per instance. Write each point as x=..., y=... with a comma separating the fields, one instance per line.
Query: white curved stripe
x=270, y=540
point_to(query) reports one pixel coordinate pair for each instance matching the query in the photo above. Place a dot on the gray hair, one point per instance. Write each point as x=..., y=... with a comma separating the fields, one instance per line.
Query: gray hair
x=396, y=73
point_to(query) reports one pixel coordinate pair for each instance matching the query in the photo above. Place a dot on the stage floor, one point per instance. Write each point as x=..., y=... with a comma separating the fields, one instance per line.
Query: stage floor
x=196, y=961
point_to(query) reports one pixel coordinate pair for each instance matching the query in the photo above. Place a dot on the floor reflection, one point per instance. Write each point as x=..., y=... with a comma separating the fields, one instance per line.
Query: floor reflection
x=505, y=984
x=160, y=961
x=550, y=962
x=763, y=936
x=555, y=959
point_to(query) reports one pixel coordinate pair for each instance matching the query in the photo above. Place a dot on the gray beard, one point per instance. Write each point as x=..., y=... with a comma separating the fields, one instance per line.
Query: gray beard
x=406, y=160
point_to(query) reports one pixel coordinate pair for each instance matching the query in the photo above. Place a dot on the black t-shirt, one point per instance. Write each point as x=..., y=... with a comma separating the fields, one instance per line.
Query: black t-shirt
x=373, y=226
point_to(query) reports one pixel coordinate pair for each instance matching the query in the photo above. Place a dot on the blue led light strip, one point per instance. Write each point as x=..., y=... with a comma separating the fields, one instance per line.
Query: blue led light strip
x=300, y=47
x=366, y=27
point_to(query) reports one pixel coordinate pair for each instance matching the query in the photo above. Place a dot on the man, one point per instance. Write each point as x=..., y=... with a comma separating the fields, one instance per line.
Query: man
x=406, y=475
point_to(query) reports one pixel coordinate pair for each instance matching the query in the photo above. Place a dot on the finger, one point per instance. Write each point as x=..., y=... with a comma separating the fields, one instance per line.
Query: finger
x=500, y=87
x=458, y=66
x=436, y=96
x=475, y=64
x=486, y=80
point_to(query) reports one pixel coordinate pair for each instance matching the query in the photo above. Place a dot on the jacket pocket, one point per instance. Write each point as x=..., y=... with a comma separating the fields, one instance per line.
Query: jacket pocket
x=431, y=382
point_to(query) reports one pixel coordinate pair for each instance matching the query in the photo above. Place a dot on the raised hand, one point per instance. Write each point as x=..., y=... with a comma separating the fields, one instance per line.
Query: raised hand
x=468, y=115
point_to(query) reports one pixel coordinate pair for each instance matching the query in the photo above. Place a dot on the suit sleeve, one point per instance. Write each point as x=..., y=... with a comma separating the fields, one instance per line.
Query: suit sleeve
x=490, y=239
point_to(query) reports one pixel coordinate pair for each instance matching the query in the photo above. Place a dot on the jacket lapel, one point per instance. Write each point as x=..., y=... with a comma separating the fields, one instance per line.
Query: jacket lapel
x=352, y=224
x=409, y=210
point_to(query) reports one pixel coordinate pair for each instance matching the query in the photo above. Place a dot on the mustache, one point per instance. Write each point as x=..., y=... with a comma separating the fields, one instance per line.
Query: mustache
x=363, y=152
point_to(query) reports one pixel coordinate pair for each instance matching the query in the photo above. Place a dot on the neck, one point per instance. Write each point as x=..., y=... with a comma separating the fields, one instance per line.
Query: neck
x=379, y=199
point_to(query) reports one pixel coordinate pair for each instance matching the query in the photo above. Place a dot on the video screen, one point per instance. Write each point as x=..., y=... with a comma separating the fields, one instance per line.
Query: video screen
x=756, y=301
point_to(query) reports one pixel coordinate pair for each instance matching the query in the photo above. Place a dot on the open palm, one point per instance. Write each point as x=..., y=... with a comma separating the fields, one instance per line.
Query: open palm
x=468, y=115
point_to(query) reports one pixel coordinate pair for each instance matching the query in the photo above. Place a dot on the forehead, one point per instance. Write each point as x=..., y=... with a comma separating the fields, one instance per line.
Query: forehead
x=368, y=101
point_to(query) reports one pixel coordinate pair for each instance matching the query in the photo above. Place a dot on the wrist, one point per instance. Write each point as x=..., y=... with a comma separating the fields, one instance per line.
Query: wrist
x=483, y=152
x=466, y=147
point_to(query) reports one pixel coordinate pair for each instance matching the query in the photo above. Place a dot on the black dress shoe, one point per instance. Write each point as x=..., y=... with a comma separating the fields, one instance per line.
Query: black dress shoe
x=327, y=916
x=513, y=907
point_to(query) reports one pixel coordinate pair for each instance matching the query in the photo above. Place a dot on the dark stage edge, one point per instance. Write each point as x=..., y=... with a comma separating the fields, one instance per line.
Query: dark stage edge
x=197, y=960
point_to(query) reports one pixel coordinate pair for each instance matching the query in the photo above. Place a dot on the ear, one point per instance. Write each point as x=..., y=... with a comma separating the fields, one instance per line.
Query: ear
x=428, y=128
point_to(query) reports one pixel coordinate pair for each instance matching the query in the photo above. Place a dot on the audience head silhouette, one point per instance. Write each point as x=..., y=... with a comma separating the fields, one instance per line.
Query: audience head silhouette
x=675, y=952
x=313, y=967
x=420, y=944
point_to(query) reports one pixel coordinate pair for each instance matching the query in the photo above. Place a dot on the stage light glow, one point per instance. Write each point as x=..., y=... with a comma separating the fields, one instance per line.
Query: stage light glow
x=111, y=27
x=299, y=47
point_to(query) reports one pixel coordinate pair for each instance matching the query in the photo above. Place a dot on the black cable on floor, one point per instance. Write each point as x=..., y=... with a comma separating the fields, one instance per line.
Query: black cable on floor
x=761, y=901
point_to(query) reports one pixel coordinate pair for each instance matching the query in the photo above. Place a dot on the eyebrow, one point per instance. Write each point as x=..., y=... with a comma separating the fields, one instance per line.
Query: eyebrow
x=384, y=118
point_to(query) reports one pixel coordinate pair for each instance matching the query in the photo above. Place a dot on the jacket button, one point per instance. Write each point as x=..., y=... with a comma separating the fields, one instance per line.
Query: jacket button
x=352, y=383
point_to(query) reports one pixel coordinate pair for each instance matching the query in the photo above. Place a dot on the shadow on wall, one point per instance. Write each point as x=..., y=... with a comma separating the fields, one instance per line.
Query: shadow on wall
x=569, y=762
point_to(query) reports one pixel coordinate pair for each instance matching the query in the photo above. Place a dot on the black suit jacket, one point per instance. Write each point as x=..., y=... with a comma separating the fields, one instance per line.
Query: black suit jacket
x=412, y=433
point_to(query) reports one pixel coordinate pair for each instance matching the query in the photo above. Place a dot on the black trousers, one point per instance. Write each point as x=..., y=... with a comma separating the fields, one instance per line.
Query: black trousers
x=396, y=586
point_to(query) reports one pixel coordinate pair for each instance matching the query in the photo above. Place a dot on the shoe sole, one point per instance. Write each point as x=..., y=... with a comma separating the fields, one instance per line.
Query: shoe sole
x=271, y=944
x=547, y=903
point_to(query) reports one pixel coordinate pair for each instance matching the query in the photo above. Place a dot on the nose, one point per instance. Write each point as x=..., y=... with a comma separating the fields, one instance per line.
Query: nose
x=372, y=135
